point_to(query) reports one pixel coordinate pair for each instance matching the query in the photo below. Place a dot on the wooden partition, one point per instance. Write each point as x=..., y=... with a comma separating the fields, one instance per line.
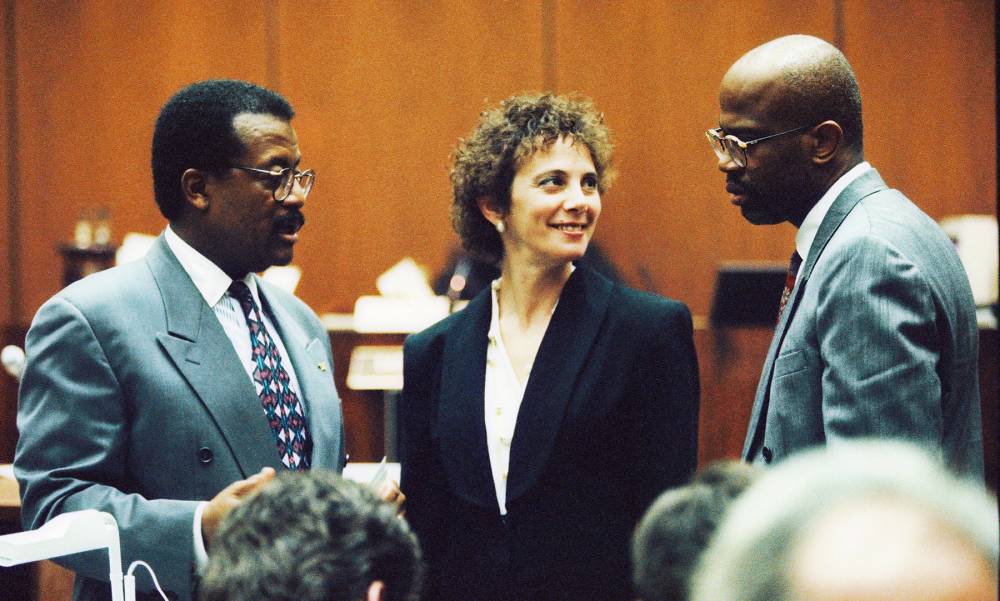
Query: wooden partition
x=667, y=221
x=383, y=90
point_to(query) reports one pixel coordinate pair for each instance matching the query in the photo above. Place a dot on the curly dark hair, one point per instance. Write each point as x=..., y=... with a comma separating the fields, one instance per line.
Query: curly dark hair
x=195, y=130
x=312, y=536
x=505, y=137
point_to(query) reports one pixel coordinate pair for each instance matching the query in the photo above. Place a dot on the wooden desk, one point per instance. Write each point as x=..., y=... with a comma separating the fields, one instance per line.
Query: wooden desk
x=729, y=362
x=10, y=500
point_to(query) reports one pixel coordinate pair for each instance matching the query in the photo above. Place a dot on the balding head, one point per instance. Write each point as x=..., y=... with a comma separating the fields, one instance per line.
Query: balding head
x=887, y=548
x=795, y=106
x=798, y=80
x=859, y=521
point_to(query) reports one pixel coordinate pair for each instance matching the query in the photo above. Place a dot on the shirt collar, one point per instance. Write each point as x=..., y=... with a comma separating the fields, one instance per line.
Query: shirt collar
x=494, y=332
x=211, y=282
x=810, y=225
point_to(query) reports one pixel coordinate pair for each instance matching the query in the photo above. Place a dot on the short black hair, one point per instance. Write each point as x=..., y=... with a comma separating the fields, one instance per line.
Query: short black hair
x=195, y=130
x=312, y=536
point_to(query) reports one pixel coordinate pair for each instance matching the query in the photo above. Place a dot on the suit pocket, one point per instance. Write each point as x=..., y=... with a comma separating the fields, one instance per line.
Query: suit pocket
x=790, y=363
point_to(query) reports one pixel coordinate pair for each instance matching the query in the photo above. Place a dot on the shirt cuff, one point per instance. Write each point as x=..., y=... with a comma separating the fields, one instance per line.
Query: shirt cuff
x=200, y=554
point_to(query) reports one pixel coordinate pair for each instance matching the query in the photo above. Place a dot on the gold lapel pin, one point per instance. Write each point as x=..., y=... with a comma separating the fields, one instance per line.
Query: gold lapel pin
x=321, y=366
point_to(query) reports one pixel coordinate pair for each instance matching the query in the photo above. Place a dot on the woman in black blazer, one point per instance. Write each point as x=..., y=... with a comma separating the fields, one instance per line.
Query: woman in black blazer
x=539, y=422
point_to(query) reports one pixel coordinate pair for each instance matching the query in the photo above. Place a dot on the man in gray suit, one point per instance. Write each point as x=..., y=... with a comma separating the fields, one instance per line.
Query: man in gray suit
x=878, y=336
x=165, y=390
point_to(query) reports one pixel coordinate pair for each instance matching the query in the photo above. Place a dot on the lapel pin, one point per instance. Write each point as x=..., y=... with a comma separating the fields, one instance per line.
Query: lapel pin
x=321, y=366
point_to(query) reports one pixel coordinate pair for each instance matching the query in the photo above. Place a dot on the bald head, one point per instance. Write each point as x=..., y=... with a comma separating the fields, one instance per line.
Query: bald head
x=856, y=521
x=888, y=549
x=798, y=80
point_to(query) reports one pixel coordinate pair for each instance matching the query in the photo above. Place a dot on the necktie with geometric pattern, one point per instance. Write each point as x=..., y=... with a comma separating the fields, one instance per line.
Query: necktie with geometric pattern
x=793, y=272
x=281, y=404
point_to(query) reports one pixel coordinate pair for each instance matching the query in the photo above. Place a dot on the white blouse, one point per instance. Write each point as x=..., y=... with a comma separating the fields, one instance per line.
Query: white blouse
x=502, y=397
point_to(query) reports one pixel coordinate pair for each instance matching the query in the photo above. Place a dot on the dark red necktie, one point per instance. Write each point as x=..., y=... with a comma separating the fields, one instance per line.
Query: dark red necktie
x=281, y=404
x=793, y=271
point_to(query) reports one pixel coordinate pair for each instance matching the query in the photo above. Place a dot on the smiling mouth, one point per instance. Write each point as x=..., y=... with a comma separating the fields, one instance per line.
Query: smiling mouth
x=574, y=228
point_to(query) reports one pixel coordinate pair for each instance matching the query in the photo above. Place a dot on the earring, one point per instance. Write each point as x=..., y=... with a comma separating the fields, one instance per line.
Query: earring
x=500, y=227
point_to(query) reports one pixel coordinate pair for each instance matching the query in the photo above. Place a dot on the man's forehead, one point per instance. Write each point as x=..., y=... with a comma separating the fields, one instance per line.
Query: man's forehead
x=266, y=125
x=748, y=98
x=266, y=134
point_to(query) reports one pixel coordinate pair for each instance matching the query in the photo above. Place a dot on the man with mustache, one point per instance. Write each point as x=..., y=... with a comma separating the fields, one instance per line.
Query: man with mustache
x=166, y=390
x=877, y=333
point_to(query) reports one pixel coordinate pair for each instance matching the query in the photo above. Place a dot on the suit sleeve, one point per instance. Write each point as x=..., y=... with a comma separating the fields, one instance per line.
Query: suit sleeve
x=668, y=419
x=71, y=455
x=879, y=343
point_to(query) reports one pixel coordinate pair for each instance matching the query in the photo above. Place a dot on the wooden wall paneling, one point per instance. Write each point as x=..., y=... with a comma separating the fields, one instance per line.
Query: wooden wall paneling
x=927, y=72
x=91, y=78
x=381, y=98
x=654, y=68
x=729, y=361
x=8, y=203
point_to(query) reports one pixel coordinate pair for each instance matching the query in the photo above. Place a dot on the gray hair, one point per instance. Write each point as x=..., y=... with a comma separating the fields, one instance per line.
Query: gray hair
x=312, y=536
x=749, y=558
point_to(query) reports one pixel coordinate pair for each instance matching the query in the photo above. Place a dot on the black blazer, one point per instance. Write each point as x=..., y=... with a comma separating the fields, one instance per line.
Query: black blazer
x=609, y=420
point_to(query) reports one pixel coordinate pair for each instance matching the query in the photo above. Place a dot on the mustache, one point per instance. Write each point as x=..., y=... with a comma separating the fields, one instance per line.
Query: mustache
x=292, y=220
x=733, y=182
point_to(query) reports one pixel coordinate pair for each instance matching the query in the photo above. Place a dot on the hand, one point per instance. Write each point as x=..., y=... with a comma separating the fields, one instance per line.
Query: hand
x=228, y=498
x=390, y=493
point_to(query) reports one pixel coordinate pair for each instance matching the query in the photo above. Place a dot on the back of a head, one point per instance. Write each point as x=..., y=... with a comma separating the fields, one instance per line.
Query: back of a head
x=677, y=527
x=312, y=536
x=195, y=130
x=760, y=550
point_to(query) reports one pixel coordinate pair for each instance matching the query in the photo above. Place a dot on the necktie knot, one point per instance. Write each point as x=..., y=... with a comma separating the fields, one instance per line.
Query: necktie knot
x=241, y=292
x=793, y=264
x=793, y=271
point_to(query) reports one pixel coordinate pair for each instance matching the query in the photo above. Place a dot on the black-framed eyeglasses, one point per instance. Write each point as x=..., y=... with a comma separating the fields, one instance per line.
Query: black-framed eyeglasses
x=285, y=180
x=730, y=147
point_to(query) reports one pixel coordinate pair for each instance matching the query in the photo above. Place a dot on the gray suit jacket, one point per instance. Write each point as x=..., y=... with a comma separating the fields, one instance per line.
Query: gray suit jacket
x=134, y=402
x=879, y=338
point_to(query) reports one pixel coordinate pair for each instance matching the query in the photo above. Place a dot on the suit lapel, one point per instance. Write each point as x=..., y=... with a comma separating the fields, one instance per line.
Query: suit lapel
x=460, y=421
x=307, y=357
x=204, y=356
x=864, y=186
x=561, y=356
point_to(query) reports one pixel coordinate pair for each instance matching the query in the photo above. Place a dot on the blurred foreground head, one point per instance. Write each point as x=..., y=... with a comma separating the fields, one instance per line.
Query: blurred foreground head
x=871, y=521
x=678, y=526
x=313, y=536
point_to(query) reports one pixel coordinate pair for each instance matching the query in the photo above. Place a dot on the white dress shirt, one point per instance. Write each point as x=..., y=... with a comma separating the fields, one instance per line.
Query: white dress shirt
x=810, y=225
x=213, y=284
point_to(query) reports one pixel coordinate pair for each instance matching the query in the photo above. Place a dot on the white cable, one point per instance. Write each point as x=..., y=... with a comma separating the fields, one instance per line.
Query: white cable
x=130, y=581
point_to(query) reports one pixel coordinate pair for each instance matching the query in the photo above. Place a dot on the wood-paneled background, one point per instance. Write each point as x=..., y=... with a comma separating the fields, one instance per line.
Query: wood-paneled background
x=383, y=89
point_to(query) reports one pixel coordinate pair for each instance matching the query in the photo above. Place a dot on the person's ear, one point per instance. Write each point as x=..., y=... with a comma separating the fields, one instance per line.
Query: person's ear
x=825, y=139
x=375, y=591
x=194, y=185
x=489, y=210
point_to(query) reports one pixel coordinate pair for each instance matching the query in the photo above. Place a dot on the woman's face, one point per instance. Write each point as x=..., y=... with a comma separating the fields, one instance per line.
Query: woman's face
x=554, y=205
